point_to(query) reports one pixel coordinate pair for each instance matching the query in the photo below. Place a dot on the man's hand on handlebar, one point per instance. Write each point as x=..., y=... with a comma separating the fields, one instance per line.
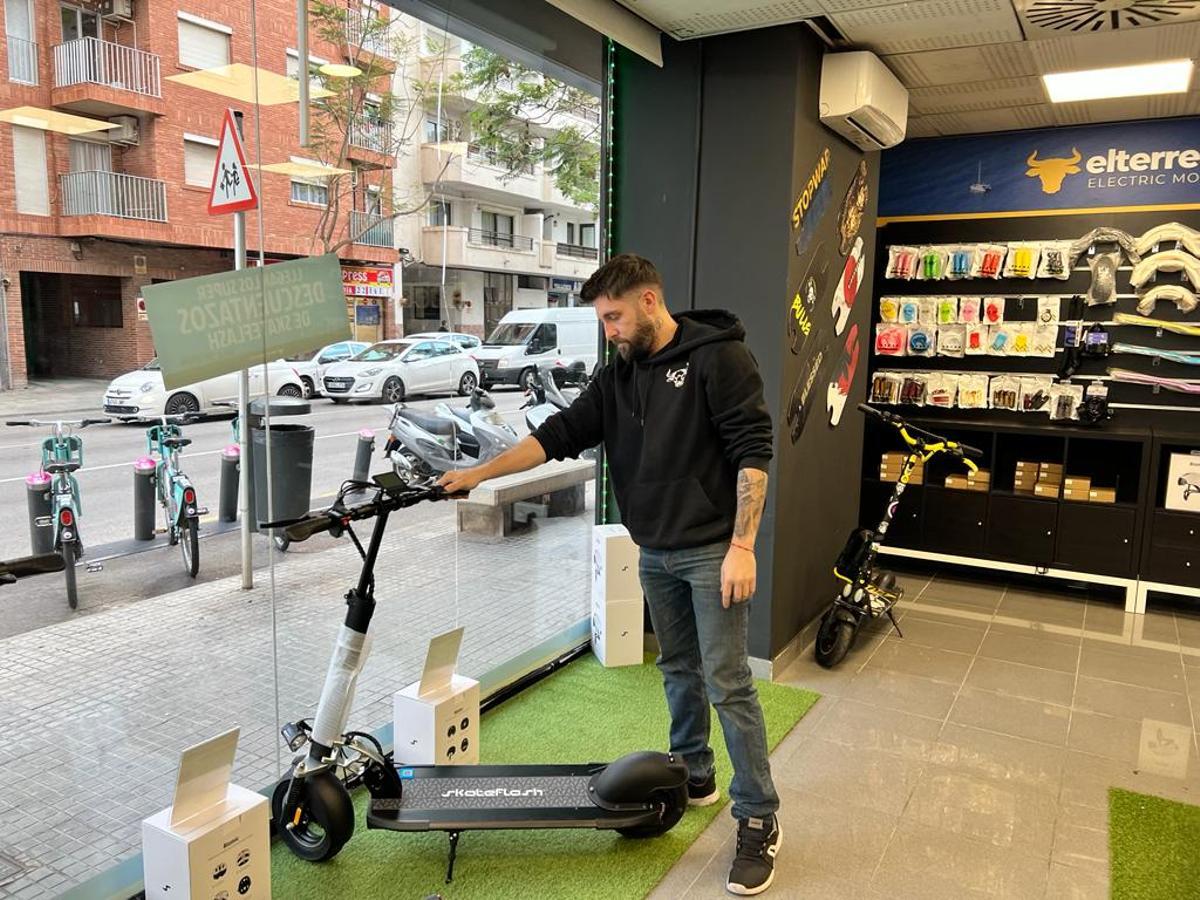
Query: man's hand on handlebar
x=461, y=481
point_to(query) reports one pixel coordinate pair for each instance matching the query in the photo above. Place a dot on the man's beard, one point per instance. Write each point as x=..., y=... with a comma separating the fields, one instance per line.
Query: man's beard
x=639, y=346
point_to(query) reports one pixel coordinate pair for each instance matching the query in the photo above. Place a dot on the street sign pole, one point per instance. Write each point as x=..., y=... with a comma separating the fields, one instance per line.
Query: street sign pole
x=244, y=486
x=233, y=192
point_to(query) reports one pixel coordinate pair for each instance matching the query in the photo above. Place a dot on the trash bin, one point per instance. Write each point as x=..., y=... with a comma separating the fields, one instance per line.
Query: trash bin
x=290, y=464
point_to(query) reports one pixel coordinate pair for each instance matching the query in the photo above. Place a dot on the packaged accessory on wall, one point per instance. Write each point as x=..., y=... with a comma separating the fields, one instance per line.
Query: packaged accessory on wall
x=1185, y=237
x=913, y=388
x=951, y=340
x=1055, y=261
x=962, y=258
x=968, y=310
x=927, y=314
x=910, y=311
x=1166, y=261
x=933, y=263
x=1104, y=235
x=1094, y=408
x=1005, y=392
x=975, y=342
x=1179, y=385
x=1045, y=341
x=947, y=310
x=922, y=340
x=941, y=389
x=1064, y=401
x=989, y=261
x=1022, y=260
x=1000, y=340
x=889, y=309
x=885, y=387
x=902, y=263
x=1034, y=394
x=1185, y=301
x=1103, y=289
x=1022, y=338
x=973, y=391
x=1048, y=310
x=891, y=340
x=1175, y=356
x=1174, y=327
x=993, y=310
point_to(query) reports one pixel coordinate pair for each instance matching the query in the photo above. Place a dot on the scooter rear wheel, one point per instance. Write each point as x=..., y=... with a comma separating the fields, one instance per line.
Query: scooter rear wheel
x=325, y=821
x=834, y=639
x=674, y=805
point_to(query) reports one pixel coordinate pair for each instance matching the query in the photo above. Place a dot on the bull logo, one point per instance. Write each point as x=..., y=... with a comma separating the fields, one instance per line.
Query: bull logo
x=1053, y=171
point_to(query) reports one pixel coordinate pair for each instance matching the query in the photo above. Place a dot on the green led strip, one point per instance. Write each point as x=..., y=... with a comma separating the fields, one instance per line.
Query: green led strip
x=605, y=500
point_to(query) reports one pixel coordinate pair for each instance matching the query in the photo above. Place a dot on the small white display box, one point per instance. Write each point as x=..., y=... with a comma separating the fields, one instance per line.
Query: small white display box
x=437, y=718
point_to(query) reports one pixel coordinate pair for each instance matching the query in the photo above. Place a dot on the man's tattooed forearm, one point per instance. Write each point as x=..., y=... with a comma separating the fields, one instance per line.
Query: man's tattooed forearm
x=751, y=494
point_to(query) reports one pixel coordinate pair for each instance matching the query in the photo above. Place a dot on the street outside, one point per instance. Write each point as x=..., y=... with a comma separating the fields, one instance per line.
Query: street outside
x=106, y=487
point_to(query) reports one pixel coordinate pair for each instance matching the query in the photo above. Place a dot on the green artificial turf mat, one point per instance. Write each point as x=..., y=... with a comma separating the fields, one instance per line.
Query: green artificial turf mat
x=582, y=713
x=1154, y=847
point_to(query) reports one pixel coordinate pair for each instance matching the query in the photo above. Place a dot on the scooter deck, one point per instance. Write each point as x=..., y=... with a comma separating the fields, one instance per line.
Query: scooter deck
x=476, y=798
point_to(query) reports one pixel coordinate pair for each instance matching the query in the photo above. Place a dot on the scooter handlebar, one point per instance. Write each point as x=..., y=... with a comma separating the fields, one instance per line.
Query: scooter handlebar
x=339, y=517
x=32, y=565
x=960, y=449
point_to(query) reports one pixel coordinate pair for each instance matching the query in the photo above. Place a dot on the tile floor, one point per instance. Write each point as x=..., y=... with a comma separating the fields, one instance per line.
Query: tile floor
x=972, y=758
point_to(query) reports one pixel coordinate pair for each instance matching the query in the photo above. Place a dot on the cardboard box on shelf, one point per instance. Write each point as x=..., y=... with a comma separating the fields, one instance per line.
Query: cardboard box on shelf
x=1078, y=494
x=1103, y=495
x=1046, y=489
x=1077, y=482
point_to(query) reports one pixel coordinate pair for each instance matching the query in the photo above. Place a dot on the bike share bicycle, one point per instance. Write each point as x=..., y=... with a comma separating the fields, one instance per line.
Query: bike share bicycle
x=176, y=495
x=867, y=592
x=641, y=794
x=62, y=454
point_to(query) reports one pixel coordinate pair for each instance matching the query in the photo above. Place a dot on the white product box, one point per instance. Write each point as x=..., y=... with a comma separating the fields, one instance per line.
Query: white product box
x=1183, y=482
x=214, y=841
x=617, y=632
x=436, y=720
x=614, y=565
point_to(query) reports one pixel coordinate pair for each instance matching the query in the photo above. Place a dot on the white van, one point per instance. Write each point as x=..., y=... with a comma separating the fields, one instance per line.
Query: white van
x=526, y=337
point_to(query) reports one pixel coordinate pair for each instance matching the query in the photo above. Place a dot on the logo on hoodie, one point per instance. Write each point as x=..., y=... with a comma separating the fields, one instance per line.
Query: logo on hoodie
x=677, y=377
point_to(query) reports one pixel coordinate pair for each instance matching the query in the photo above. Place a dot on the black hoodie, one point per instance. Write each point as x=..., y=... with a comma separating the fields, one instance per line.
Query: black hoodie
x=676, y=428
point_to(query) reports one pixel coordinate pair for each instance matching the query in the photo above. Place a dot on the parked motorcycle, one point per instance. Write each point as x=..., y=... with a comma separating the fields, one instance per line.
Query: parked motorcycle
x=555, y=387
x=422, y=445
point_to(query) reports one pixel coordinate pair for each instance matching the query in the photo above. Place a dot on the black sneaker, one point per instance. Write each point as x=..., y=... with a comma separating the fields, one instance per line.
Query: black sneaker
x=703, y=791
x=753, y=868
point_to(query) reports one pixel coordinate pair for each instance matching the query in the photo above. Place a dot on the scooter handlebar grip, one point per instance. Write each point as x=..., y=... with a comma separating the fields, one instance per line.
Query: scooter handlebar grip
x=869, y=410
x=306, y=528
x=968, y=450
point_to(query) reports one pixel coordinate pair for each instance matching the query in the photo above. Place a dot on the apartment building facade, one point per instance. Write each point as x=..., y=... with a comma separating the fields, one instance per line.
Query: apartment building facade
x=86, y=220
x=490, y=241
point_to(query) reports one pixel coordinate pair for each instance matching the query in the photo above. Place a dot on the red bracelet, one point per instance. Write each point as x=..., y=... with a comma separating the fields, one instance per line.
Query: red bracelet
x=741, y=546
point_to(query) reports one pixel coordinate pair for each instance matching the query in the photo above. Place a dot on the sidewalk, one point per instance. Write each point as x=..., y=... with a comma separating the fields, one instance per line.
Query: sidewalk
x=55, y=398
x=98, y=708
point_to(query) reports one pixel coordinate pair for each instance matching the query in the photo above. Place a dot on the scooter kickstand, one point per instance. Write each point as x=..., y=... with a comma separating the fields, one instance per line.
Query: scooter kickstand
x=895, y=624
x=453, y=854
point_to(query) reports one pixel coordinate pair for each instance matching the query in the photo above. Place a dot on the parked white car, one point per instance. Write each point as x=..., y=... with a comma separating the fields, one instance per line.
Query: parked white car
x=467, y=341
x=393, y=370
x=140, y=394
x=311, y=366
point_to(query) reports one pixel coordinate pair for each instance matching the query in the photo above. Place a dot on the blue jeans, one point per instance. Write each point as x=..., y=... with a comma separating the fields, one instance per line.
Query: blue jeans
x=703, y=660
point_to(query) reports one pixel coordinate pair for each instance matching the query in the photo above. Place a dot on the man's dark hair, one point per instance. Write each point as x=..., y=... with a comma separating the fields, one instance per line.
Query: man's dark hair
x=620, y=275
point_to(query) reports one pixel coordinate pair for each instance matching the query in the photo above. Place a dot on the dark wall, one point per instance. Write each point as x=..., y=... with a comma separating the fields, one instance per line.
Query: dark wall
x=709, y=155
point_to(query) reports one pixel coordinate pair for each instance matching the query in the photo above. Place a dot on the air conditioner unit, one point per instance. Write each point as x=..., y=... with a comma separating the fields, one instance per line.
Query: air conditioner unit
x=127, y=133
x=116, y=9
x=862, y=101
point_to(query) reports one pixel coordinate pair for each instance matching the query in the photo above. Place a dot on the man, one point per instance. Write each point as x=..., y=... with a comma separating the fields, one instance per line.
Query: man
x=443, y=326
x=688, y=439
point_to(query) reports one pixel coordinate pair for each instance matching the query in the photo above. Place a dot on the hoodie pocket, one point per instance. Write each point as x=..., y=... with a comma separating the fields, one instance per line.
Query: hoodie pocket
x=664, y=512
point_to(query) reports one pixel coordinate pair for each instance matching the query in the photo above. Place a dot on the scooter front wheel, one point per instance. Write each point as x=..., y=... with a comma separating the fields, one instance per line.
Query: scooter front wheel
x=834, y=638
x=322, y=819
x=674, y=804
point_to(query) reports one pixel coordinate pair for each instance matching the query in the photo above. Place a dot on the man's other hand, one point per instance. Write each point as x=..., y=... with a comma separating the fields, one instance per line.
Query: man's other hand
x=738, y=576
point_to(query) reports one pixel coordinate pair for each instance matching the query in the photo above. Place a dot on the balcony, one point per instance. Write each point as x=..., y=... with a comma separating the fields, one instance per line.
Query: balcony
x=97, y=193
x=474, y=248
x=371, y=142
x=569, y=260
x=370, y=42
x=371, y=230
x=103, y=78
x=576, y=251
x=22, y=60
x=476, y=175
